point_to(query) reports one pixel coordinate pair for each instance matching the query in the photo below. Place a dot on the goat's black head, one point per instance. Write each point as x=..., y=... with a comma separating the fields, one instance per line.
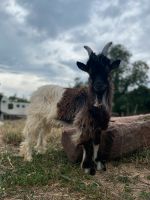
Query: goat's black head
x=99, y=67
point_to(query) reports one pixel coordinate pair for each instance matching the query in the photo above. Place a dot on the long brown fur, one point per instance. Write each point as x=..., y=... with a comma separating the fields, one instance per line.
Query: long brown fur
x=90, y=118
x=76, y=106
x=72, y=101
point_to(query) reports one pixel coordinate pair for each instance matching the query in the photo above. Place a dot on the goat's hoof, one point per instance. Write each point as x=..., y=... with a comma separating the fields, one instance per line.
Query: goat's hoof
x=104, y=167
x=86, y=170
x=28, y=159
x=89, y=167
x=40, y=150
x=92, y=171
x=101, y=166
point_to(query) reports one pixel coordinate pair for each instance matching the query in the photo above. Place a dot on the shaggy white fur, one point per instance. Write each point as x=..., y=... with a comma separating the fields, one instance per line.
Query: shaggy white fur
x=41, y=116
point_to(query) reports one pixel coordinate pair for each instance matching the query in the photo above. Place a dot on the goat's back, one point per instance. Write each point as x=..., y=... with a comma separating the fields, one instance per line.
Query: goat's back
x=55, y=102
x=44, y=101
x=72, y=101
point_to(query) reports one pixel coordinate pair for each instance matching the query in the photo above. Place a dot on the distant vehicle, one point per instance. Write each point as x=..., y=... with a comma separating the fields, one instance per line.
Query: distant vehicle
x=12, y=108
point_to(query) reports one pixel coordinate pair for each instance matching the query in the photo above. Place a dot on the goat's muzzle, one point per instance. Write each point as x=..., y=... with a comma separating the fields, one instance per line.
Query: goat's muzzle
x=99, y=88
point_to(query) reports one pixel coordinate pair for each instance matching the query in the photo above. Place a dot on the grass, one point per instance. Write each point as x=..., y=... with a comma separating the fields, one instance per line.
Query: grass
x=11, y=132
x=52, y=176
x=37, y=173
x=49, y=169
x=145, y=195
x=123, y=179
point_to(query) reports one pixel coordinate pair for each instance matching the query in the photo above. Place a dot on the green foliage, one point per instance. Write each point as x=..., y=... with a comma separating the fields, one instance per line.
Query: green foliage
x=139, y=73
x=145, y=195
x=18, y=99
x=133, y=102
x=123, y=179
x=129, y=75
x=131, y=95
x=139, y=100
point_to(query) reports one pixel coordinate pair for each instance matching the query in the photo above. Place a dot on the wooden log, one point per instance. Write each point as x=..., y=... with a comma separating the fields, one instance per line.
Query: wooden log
x=123, y=136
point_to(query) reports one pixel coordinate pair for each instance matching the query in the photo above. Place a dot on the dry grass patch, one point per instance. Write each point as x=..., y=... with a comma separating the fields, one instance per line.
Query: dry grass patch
x=11, y=132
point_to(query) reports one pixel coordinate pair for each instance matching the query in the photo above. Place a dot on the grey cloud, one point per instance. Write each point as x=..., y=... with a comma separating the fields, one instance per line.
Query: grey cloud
x=55, y=16
x=25, y=49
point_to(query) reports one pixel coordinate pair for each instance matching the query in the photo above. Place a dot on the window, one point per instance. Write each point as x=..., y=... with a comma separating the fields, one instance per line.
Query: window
x=10, y=106
x=4, y=101
x=23, y=106
x=17, y=105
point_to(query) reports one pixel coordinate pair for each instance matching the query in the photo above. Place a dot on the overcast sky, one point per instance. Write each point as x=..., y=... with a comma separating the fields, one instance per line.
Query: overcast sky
x=41, y=40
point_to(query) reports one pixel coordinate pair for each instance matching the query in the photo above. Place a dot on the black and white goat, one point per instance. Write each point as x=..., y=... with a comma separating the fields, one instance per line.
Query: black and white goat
x=88, y=108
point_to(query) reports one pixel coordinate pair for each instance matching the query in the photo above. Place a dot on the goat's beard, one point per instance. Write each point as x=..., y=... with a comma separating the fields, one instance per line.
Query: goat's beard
x=96, y=96
x=98, y=101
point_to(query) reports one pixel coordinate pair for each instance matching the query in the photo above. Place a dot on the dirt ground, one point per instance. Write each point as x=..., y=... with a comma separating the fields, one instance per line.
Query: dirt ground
x=124, y=179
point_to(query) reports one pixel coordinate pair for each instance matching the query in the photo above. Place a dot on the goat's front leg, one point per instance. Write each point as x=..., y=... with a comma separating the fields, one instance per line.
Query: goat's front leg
x=87, y=161
x=97, y=157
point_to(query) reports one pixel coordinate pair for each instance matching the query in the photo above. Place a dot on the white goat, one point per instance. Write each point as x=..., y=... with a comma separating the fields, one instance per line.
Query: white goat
x=41, y=114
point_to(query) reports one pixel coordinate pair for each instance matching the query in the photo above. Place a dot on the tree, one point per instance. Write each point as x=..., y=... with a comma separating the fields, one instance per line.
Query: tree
x=1, y=96
x=139, y=100
x=18, y=99
x=128, y=77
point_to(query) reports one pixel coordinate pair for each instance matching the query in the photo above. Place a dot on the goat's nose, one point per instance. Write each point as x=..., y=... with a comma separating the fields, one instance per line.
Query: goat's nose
x=99, y=87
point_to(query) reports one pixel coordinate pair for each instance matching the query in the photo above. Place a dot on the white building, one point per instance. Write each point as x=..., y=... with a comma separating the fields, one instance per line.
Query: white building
x=12, y=109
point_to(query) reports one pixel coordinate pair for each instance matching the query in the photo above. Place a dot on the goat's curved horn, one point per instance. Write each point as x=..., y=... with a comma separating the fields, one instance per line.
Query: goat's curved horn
x=106, y=48
x=89, y=50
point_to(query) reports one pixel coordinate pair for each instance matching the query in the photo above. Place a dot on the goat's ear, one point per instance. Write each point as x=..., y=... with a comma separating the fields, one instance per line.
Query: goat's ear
x=115, y=64
x=82, y=66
